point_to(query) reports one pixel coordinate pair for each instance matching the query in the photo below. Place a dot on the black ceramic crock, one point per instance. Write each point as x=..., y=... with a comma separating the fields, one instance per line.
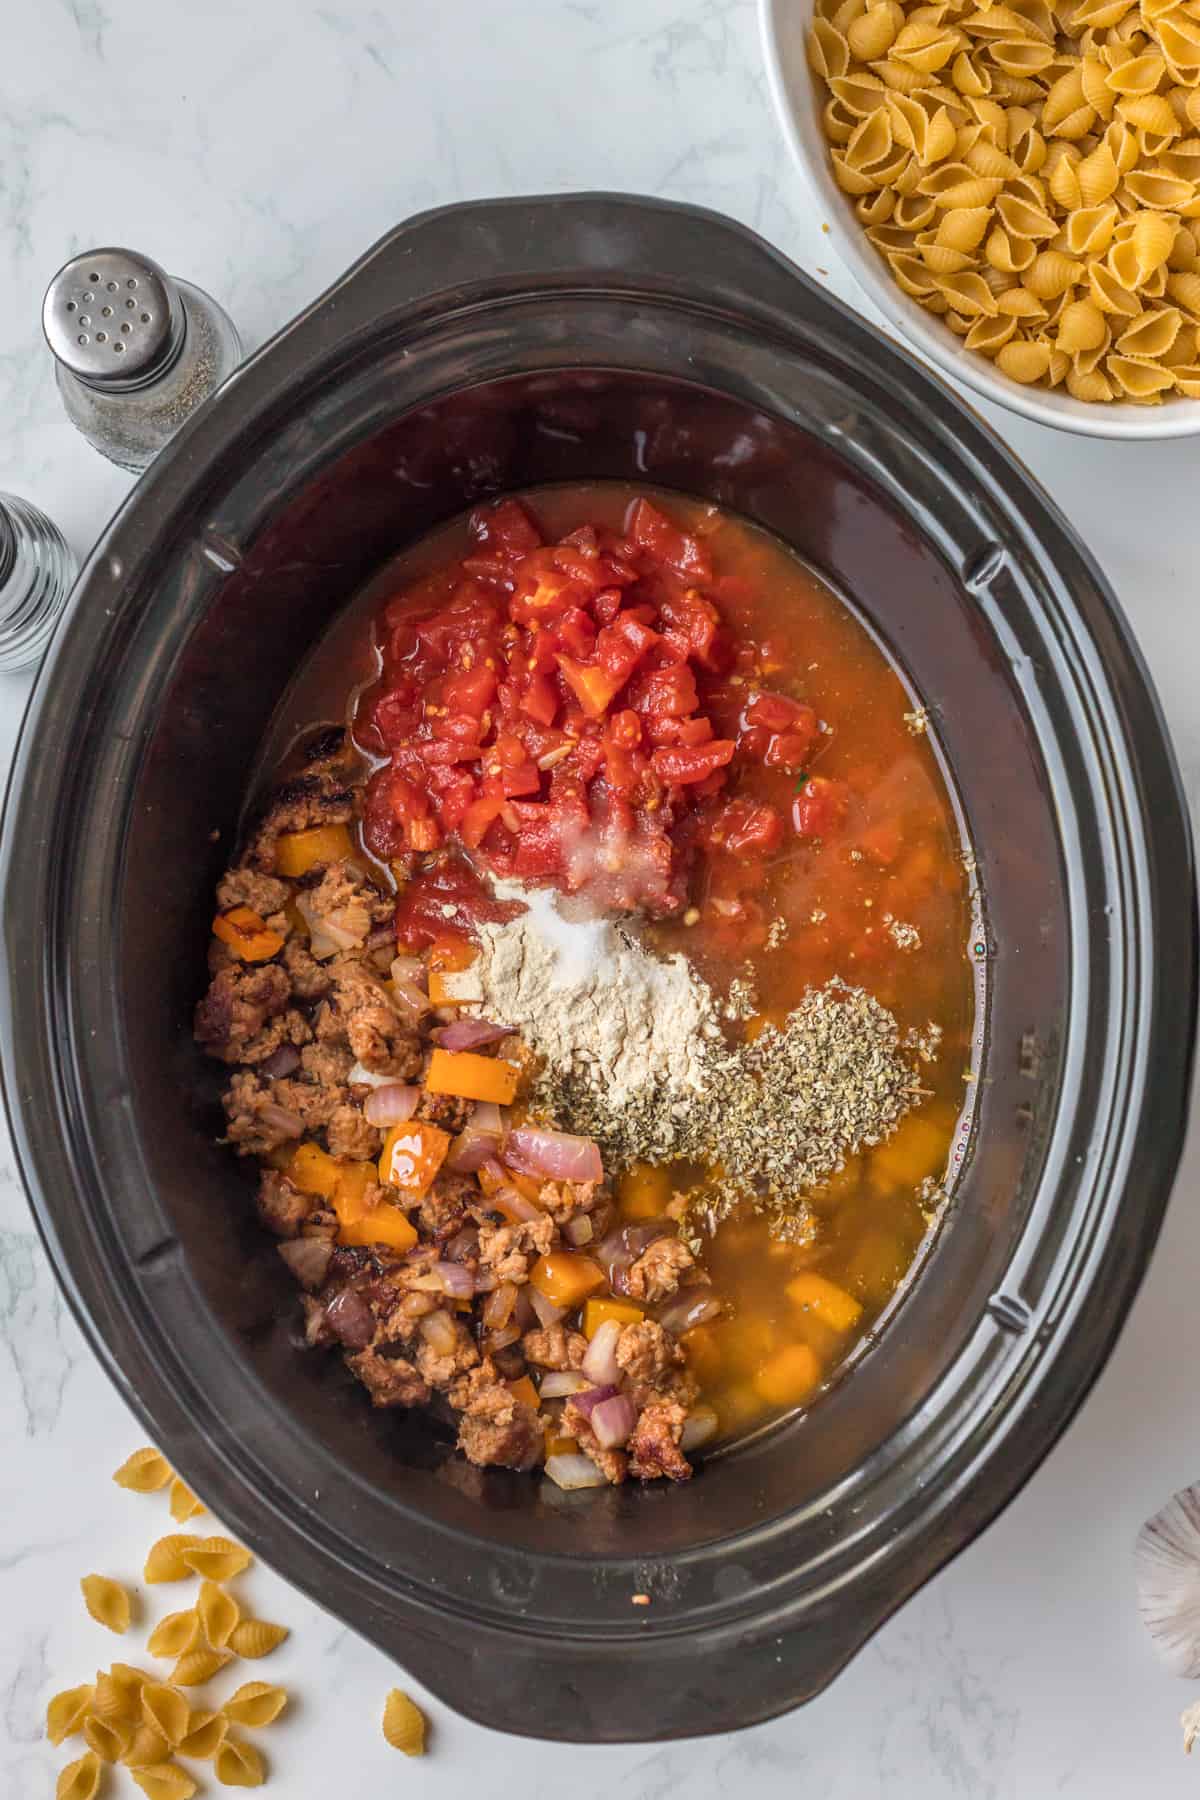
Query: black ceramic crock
x=479, y=349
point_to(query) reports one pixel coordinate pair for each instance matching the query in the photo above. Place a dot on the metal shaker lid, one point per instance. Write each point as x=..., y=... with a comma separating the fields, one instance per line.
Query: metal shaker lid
x=112, y=317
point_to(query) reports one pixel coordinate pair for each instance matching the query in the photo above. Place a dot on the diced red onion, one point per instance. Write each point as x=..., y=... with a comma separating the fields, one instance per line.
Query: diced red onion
x=350, y=1319
x=574, y=1471
x=287, y=1124
x=463, y=1245
x=479, y=1139
x=360, y=1077
x=561, y=1382
x=500, y=1340
x=409, y=968
x=325, y=935
x=695, y=1306
x=381, y=935
x=578, y=1231
x=456, y=1279
x=554, y=1153
x=587, y=1398
x=700, y=1425
x=308, y=1259
x=600, y=1358
x=515, y=1207
x=281, y=1062
x=523, y=1316
x=497, y=1309
x=391, y=1105
x=437, y=1328
x=469, y=1034
x=548, y=1314
x=613, y=1421
x=410, y=1001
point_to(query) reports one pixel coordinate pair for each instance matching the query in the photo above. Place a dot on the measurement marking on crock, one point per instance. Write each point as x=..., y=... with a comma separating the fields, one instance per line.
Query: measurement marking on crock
x=982, y=566
x=218, y=551
x=1010, y=1313
x=157, y=1255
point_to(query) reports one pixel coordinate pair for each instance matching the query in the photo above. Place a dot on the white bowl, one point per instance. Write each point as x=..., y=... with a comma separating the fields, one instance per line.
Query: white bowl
x=784, y=25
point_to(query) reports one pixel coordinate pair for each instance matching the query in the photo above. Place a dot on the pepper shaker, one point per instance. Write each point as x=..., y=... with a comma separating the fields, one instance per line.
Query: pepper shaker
x=36, y=572
x=136, y=351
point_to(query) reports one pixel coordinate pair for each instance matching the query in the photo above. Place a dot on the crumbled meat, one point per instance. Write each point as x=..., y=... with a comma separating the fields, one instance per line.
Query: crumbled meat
x=564, y=1199
x=646, y=1354
x=612, y=1464
x=341, y=900
x=404, y=1317
x=239, y=1002
x=258, y=1123
x=441, y=1367
x=282, y=1208
x=360, y=1011
x=654, y=1447
x=313, y=798
x=290, y=1027
x=329, y=749
x=348, y=1134
x=443, y=1209
x=310, y=979
x=317, y=1334
x=496, y=1427
x=328, y=1064
x=446, y=1110
x=390, y=1380
x=508, y=1250
x=556, y=1348
x=313, y=1104
x=656, y=1272
x=246, y=887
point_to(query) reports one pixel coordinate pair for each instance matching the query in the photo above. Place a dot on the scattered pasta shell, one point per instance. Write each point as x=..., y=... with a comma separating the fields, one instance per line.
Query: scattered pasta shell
x=404, y=1724
x=205, y=1735
x=255, y=1637
x=107, y=1601
x=128, y=1676
x=66, y=1712
x=146, y=1747
x=145, y=1472
x=218, y=1613
x=256, y=1703
x=80, y=1780
x=165, y=1561
x=239, y=1764
x=112, y=1700
x=166, y=1709
x=109, y=1738
x=184, y=1504
x=164, y=1781
x=216, y=1558
x=199, y=1666
x=175, y=1634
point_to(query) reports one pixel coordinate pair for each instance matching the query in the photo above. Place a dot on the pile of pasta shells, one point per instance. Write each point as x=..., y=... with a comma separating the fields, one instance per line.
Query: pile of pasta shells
x=1031, y=173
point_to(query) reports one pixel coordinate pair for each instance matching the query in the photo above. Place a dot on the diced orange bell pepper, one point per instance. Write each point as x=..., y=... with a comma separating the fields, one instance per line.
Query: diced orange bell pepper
x=471, y=1077
x=789, y=1376
x=314, y=1171
x=643, y=1191
x=703, y=1353
x=247, y=935
x=830, y=1303
x=624, y=1312
x=296, y=852
x=524, y=1391
x=412, y=1155
x=280, y=1158
x=350, y=1194
x=566, y=1278
x=557, y=1445
x=382, y=1224
x=448, y=956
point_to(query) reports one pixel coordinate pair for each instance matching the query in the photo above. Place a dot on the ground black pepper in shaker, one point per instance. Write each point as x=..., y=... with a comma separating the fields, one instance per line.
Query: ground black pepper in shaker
x=36, y=573
x=136, y=351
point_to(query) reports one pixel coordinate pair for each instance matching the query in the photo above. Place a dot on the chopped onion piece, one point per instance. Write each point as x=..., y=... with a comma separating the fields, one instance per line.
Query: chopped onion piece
x=600, y=1359
x=574, y=1471
x=548, y=1314
x=579, y=1231
x=308, y=1259
x=325, y=935
x=479, y=1139
x=495, y=1341
x=613, y=1421
x=497, y=1309
x=350, y=1318
x=515, y=1207
x=360, y=1077
x=391, y=1105
x=463, y=1245
x=590, y=1397
x=695, y=1306
x=287, y=1124
x=409, y=968
x=411, y=1001
x=561, y=1382
x=281, y=1062
x=554, y=1153
x=456, y=1279
x=469, y=1034
x=700, y=1425
x=438, y=1331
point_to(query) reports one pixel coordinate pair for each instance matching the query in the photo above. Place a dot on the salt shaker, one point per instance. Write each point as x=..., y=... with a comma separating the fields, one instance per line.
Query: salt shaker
x=136, y=351
x=36, y=572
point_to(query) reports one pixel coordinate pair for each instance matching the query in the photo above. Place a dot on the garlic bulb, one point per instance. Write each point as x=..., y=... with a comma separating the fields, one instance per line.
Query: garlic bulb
x=1167, y=1559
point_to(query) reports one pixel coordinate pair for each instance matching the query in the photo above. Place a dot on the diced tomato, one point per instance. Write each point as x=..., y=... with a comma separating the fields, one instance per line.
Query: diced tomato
x=453, y=791
x=505, y=527
x=820, y=807
x=595, y=688
x=691, y=763
x=470, y=691
x=778, y=713
x=695, y=731
x=477, y=818
x=745, y=828
x=652, y=531
x=788, y=750
x=575, y=632
x=539, y=701
x=666, y=693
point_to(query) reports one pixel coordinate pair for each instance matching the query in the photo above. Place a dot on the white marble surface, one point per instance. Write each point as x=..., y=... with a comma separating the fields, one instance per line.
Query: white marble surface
x=258, y=149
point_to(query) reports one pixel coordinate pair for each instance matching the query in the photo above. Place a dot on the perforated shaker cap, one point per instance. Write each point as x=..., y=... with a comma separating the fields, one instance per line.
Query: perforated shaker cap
x=112, y=317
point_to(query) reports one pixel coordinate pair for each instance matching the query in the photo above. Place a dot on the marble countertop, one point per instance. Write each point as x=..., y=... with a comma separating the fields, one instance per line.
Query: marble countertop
x=258, y=150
